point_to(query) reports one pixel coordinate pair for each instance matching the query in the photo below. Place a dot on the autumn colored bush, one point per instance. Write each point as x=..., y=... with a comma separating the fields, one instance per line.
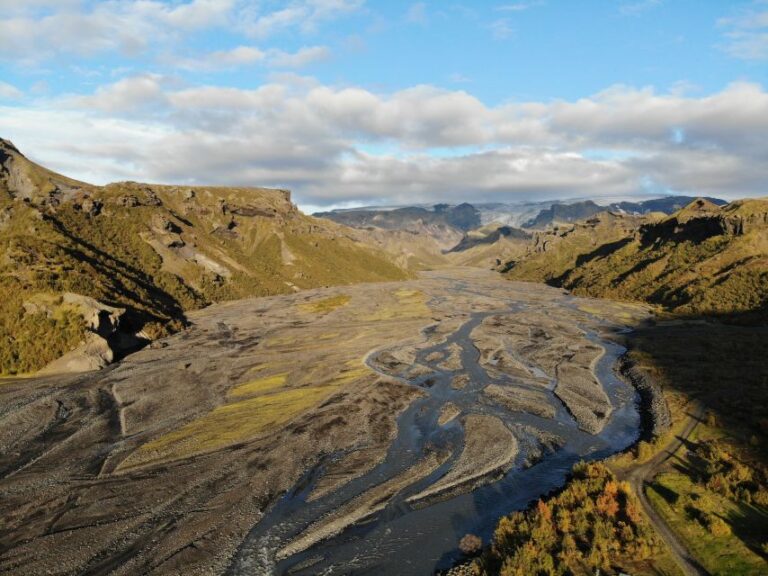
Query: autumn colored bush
x=594, y=522
x=470, y=544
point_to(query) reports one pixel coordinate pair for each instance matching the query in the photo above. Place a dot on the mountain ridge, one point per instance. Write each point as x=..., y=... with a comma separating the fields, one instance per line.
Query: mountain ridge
x=152, y=251
x=703, y=259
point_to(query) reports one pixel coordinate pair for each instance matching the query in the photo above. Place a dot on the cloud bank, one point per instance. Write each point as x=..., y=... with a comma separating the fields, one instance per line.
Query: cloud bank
x=344, y=144
x=160, y=98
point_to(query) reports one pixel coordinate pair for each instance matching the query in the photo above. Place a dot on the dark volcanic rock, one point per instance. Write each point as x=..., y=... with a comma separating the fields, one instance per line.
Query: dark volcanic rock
x=654, y=411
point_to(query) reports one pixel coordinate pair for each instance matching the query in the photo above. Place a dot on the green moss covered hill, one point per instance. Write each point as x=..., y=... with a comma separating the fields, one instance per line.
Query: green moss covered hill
x=704, y=259
x=78, y=259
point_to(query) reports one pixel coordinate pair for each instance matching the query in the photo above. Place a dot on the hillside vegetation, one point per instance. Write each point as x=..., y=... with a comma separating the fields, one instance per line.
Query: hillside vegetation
x=82, y=264
x=594, y=525
x=704, y=259
x=703, y=263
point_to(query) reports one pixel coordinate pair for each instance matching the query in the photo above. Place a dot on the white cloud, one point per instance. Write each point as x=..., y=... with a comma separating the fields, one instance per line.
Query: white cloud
x=302, y=57
x=459, y=78
x=517, y=6
x=9, y=92
x=200, y=14
x=349, y=144
x=249, y=56
x=221, y=59
x=127, y=96
x=746, y=35
x=304, y=15
x=35, y=31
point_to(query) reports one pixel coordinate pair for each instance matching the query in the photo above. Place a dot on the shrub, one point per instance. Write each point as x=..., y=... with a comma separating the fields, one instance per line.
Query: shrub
x=470, y=544
x=716, y=525
x=594, y=522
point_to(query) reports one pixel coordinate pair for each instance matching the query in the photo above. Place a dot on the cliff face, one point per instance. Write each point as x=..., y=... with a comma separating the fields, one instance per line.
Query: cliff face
x=151, y=251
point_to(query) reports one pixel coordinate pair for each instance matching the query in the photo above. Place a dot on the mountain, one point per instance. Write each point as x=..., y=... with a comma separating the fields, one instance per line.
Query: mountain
x=551, y=253
x=87, y=271
x=561, y=213
x=446, y=223
x=443, y=223
x=410, y=250
x=430, y=237
x=667, y=204
x=489, y=246
x=558, y=213
x=703, y=259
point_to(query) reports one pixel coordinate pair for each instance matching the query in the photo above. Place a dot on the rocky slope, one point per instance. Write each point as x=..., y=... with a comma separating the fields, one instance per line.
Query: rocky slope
x=564, y=213
x=428, y=238
x=86, y=270
x=489, y=246
x=704, y=259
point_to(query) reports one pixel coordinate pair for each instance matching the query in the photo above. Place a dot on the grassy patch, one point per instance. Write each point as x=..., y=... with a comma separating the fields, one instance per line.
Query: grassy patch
x=695, y=514
x=325, y=305
x=231, y=424
x=407, y=304
x=244, y=419
x=716, y=493
x=259, y=386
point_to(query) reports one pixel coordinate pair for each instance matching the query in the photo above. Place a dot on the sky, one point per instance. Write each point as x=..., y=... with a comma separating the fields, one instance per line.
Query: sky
x=355, y=102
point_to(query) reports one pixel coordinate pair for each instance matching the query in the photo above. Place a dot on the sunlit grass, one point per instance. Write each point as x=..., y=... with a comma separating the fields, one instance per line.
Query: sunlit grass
x=325, y=305
x=244, y=419
x=408, y=304
x=722, y=554
x=231, y=424
x=260, y=385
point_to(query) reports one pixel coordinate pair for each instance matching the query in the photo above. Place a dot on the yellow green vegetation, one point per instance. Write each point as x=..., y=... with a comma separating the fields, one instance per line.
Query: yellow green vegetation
x=273, y=404
x=325, y=305
x=407, y=304
x=715, y=495
x=155, y=251
x=230, y=424
x=722, y=365
x=266, y=384
x=703, y=259
x=595, y=523
x=353, y=370
x=555, y=252
x=722, y=534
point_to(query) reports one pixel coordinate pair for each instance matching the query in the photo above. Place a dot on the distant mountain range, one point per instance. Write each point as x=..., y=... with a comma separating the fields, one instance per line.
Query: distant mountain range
x=443, y=220
x=439, y=221
x=565, y=213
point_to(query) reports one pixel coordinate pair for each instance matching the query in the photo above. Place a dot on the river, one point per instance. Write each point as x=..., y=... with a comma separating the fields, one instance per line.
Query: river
x=415, y=539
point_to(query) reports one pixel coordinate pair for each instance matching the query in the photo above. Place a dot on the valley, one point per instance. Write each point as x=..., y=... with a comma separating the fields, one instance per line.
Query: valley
x=332, y=428
x=205, y=380
x=367, y=288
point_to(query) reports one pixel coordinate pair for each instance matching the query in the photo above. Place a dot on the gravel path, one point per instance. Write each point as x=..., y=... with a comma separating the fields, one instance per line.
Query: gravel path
x=641, y=475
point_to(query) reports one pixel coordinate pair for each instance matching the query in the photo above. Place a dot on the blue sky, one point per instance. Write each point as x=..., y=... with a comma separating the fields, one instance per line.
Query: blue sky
x=353, y=102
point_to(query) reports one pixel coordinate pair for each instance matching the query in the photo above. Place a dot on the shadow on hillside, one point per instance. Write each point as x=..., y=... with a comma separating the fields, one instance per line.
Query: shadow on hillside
x=602, y=251
x=721, y=361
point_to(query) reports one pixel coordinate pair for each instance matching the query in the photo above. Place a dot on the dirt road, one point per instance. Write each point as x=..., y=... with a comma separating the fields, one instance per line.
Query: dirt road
x=641, y=475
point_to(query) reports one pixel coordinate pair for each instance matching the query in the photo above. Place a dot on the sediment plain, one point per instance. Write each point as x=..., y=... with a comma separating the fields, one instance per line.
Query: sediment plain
x=337, y=430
